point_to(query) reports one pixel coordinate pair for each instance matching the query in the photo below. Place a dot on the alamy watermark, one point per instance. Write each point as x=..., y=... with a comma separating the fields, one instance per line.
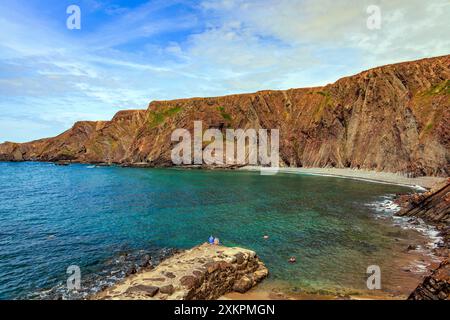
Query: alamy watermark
x=74, y=279
x=74, y=20
x=374, y=19
x=373, y=22
x=374, y=279
x=237, y=147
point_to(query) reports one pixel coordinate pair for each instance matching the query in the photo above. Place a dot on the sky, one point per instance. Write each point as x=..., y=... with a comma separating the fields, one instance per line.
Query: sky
x=128, y=53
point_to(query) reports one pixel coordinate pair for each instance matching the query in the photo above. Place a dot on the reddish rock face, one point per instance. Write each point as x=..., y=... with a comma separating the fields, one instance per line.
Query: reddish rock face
x=189, y=282
x=432, y=206
x=436, y=286
x=393, y=118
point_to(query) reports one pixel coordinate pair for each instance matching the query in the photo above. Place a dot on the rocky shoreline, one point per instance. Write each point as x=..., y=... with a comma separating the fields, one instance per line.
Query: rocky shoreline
x=110, y=272
x=434, y=208
x=202, y=273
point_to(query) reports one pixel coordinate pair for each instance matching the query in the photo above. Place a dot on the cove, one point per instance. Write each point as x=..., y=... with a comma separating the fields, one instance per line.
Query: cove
x=52, y=217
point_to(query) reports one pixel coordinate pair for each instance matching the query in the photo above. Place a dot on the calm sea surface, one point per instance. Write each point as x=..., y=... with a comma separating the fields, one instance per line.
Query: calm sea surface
x=52, y=217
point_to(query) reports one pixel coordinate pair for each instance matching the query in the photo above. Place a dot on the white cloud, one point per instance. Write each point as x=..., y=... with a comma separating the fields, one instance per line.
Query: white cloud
x=212, y=48
x=420, y=27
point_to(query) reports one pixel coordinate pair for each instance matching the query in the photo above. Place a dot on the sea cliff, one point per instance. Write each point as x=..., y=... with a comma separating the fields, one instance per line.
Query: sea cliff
x=393, y=118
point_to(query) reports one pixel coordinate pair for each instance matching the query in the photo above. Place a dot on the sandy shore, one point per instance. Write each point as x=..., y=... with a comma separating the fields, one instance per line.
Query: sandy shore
x=372, y=176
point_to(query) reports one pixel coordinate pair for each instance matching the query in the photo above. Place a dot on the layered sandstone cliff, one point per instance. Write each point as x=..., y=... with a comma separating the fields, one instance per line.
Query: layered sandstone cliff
x=432, y=206
x=393, y=118
x=436, y=286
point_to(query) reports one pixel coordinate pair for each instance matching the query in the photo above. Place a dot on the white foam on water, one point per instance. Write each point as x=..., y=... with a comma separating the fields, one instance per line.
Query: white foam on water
x=420, y=188
x=386, y=208
x=418, y=266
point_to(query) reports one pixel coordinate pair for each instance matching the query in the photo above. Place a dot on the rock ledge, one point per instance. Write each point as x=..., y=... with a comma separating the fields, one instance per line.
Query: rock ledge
x=201, y=273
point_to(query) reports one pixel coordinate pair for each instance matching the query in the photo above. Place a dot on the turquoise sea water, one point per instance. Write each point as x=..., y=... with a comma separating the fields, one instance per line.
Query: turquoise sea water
x=54, y=216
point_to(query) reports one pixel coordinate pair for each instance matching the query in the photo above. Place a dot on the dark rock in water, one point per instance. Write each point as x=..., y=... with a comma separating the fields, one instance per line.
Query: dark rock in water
x=145, y=262
x=132, y=270
x=440, y=244
x=62, y=163
x=109, y=273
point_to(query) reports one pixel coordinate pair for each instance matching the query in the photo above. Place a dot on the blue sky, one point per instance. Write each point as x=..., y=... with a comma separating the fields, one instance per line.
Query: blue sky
x=129, y=53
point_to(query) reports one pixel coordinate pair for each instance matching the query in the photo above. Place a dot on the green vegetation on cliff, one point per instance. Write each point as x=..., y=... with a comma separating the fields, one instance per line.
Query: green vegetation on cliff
x=440, y=88
x=225, y=116
x=158, y=117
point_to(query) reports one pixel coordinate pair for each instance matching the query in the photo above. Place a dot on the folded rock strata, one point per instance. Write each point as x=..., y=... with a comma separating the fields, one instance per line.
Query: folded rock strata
x=393, y=118
x=435, y=286
x=434, y=207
